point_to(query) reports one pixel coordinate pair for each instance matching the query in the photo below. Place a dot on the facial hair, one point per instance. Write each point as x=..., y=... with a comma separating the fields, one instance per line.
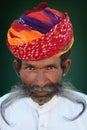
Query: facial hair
x=50, y=89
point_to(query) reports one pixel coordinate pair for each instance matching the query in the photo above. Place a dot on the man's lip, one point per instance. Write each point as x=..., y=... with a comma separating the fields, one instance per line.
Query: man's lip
x=42, y=93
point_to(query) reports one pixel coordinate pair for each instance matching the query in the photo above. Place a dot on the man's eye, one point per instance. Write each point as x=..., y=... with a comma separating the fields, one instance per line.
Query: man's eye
x=28, y=68
x=31, y=68
x=50, y=68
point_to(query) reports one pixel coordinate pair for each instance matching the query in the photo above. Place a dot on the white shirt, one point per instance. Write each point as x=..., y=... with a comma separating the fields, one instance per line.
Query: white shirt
x=25, y=114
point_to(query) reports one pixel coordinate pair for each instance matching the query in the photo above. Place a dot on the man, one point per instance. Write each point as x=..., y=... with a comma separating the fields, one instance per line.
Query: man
x=41, y=40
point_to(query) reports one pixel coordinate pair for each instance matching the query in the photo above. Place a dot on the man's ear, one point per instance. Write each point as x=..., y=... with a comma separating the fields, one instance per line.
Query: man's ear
x=66, y=66
x=15, y=64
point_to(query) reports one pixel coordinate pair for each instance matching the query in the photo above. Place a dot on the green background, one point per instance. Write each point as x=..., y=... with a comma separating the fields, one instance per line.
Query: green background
x=10, y=10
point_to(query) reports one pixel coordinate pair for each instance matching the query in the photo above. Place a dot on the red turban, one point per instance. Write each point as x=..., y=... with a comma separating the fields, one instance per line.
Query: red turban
x=40, y=34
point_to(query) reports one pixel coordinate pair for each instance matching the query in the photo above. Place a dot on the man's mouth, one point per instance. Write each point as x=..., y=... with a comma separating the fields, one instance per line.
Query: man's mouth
x=40, y=93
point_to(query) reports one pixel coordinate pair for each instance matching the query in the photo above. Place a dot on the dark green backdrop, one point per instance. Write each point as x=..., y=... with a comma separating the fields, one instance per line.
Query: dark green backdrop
x=10, y=10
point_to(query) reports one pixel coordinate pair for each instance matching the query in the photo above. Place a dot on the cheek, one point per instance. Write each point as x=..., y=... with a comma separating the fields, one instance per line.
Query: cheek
x=27, y=77
x=55, y=76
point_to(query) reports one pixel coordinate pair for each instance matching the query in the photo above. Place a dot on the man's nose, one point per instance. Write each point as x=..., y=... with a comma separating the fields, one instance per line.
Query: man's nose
x=41, y=79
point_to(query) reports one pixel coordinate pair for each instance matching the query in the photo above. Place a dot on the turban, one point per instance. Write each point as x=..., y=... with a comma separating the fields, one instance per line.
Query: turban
x=40, y=34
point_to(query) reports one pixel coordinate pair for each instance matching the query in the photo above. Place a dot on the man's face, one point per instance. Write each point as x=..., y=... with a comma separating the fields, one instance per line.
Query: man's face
x=41, y=74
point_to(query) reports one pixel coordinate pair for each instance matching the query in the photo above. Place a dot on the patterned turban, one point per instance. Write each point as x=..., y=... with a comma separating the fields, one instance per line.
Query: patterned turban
x=40, y=34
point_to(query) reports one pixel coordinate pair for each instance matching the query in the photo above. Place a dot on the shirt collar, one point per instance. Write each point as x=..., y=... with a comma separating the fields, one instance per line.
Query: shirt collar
x=47, y=106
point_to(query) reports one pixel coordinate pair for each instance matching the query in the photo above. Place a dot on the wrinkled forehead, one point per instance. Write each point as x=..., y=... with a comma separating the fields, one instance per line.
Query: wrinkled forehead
x=43, y=63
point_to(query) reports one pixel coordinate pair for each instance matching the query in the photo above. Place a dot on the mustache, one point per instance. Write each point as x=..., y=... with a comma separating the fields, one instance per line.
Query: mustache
x=52, y=88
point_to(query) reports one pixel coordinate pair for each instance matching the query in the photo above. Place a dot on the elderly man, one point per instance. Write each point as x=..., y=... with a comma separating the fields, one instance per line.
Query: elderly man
x=41, y=40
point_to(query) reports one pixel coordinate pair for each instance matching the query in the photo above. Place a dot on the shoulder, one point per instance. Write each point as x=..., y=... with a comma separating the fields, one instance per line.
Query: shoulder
x=75, y=97
x=81, y=94
x=74, y=103
x=13, y=101
x=2, y=98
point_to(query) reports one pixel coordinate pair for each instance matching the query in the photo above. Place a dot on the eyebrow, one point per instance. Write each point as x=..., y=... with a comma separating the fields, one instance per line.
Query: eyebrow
x=49, y=65
x=27, y=64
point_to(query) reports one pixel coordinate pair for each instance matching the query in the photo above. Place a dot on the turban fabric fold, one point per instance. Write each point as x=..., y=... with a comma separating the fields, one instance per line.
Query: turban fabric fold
x=40, y=34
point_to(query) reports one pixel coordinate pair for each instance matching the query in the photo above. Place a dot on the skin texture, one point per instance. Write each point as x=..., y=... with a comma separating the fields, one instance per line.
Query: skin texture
x=43, y=72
